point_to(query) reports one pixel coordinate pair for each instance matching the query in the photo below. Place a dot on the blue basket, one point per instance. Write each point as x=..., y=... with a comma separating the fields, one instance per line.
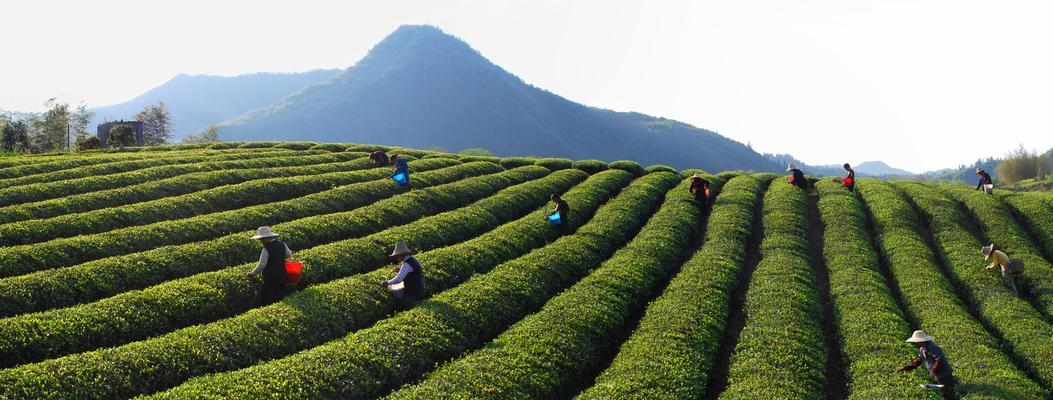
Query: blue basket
x=554, y=219
x=401, y=178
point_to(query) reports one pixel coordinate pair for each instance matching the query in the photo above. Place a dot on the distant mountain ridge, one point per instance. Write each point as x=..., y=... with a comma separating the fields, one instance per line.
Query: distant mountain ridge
x=196, y=101
x=422, y=88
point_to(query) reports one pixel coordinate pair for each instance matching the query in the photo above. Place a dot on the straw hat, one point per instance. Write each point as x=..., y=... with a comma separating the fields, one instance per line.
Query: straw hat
x=978, y=169
x=919, y=336
x=695, y=176
x=401, y=249
x=264, y=232
x=987, y=250
x=790, y=167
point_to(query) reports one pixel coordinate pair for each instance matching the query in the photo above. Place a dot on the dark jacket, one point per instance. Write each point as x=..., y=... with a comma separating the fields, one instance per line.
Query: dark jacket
x=799, y=179
x=698, y=187
x=401, y=165
x=274, y=271
x=563, y=209
x=414, y=282
x=985, y=179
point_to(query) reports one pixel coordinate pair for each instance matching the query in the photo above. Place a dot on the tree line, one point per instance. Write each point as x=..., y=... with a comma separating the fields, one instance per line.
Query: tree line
x=64, y=128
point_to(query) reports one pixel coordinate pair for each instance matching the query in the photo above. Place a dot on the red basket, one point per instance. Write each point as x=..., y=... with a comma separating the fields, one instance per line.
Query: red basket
x=293, y=271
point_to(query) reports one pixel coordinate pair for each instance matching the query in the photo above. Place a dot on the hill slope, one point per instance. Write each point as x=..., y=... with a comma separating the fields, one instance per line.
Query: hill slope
x=421, y=87
x=199, y=100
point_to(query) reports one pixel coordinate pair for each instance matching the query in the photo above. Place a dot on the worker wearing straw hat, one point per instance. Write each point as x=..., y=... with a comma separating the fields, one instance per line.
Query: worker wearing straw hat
x=985, y=181
x=797, y=177
x=378, y=157
x=700, y=188
x=563, y=209
x=1009, y=267
x=410, y=275
x=933, y=358
x=271, y=265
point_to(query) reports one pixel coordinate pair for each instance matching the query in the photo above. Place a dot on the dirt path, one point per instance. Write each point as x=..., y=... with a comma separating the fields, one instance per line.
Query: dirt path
x=836, y=381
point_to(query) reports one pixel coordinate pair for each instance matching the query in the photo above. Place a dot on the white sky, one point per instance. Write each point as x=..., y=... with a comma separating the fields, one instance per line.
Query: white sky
x=918, y=84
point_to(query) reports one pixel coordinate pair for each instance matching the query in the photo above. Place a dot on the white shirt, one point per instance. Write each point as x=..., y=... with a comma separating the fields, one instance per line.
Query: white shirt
x=404, y=270
x=264, y=257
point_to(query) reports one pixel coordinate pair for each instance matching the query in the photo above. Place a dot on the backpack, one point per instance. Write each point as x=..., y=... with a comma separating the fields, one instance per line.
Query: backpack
x=1016, y=266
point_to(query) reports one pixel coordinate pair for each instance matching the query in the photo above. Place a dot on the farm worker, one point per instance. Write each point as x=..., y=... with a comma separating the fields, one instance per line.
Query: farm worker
x=272, y=264
x=561, y=208
x=849, y=182
x=932, y=357
x=378, y=157
x=1009, y=267
x=985, y=181
x=410, y=275
x=700, y=187
x=400, y=166
x=797, y=177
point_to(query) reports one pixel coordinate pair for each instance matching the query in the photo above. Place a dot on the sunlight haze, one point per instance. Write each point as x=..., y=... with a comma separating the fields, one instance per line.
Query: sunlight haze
x=920, y=85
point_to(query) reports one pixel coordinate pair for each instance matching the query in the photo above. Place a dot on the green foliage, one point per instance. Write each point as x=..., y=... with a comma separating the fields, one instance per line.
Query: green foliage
x=515, y=162
x=14, y=137
x=224, y=198
x=631, y=166
x=870, y=324
x=978, y=360
x=88, y=143
x=102, y=176
x=157, y=124
x=333, y=147
x=781, y=351
x=318, y=195
x=1035, y=211
x=997, y=225
x=295, y=145
x=495, y=160
x=687, y=321
x=1022, y=164
x=350, y=303
x=590, y=166
x=660, y=168
x=85, y=327
x=564, y=343
x=224, y=173
x=555, y=164
x=209, y=135
x=476, y=152
x=121, y=135
x=462, y=316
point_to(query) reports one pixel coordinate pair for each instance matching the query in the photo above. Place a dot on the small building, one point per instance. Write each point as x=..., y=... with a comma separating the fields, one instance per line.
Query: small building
x=103, y=131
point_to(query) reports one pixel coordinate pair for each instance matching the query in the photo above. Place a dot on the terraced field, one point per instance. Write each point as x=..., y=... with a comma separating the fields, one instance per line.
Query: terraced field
x=122, y=275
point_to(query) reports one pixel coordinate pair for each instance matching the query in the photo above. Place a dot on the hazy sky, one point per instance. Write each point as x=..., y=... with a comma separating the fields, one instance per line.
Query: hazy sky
x=918, y=84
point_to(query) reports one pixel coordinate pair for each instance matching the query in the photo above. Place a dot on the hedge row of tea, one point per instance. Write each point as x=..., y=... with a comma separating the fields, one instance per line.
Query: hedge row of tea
x=122, y=274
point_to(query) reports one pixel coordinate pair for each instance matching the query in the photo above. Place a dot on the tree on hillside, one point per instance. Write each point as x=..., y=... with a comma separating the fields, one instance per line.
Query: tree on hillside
x=79, y=121
x=15, y=137
x=121, y=135
x=1022, y=164
x=88, y=143
x=47, y=132
x=157, y=124
x=209, y=135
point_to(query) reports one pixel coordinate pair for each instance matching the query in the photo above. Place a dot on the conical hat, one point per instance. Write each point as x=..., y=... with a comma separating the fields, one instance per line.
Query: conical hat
x=919, y=336
x=987, y=250
x=401, y=249
x=264, y=232
x=695, y=176
x=790, y=167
